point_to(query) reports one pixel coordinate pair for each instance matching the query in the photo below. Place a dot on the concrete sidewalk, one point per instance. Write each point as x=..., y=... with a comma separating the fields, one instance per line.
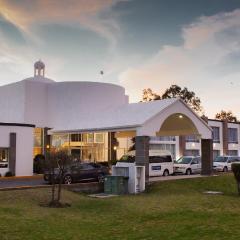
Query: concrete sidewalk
x=175, y=177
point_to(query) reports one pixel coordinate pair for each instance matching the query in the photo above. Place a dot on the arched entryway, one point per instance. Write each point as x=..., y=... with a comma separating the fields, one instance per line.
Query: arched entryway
x=176, y=120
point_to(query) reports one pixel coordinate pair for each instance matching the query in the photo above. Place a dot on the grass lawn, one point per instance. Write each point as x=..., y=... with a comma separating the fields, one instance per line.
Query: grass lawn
x=169, y=210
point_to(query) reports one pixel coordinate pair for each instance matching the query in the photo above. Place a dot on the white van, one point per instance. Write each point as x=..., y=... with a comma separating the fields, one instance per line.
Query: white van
x=224, y=163
x=160, y=162
x=188, y=165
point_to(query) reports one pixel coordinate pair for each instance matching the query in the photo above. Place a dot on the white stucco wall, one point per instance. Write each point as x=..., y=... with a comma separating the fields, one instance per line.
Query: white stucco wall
x=70, y=103
x=24, y=148
x=36, y=102
x=12, y=102
x=47, y=103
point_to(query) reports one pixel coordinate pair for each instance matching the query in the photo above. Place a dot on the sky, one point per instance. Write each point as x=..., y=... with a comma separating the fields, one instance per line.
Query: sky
x=137, y=43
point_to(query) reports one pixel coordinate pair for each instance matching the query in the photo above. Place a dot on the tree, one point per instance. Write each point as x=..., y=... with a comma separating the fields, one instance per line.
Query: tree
x=149, y=95
x=56, y=164
x=189, y=97
x=133, y=146
x=226, y=115
x=236, y=172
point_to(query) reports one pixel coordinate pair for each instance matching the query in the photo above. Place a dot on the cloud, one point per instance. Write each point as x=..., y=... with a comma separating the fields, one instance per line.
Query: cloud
x=21, y=41
x=202, y=63
x=26, y=13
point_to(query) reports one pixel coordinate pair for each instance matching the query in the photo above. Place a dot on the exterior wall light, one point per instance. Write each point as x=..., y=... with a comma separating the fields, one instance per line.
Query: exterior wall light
x=48, y=146
x=115, y=148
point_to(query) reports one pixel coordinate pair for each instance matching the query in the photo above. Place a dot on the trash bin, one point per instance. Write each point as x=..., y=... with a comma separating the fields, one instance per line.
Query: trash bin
x=116, y=185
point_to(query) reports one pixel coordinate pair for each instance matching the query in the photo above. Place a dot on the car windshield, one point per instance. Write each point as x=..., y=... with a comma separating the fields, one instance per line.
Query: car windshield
x=184, y=160
x=220, y=159
x=127, y=158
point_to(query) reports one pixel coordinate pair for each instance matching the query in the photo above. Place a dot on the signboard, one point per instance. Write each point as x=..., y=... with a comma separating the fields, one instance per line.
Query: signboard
x=156, y=168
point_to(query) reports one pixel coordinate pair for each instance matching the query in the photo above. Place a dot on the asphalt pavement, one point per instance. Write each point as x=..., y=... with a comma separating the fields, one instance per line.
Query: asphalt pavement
x=37, y=180
x=21, y=182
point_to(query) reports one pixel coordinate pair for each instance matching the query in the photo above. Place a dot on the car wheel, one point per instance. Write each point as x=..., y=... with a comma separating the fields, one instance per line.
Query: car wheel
x=188, y=171
x=166, y=173
x=101, y=178
x=67, y=179
x=225, y=169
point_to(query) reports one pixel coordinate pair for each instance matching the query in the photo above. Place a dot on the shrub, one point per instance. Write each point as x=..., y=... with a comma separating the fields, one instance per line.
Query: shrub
x=113, y=162
x=9, y=174
x=38, y=164
x=236, y=171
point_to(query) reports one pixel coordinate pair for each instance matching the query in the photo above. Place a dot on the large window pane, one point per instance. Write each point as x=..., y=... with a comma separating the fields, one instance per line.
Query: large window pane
x=192, y=152
x=60, y=140
x=232, y=135
x=192, y=138
x=233, y=152
x=163, y=138
x=216, y=135
x=4, y=158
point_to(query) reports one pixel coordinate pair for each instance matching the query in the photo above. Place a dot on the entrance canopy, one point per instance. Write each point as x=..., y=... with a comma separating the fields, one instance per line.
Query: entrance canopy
x=169, y=117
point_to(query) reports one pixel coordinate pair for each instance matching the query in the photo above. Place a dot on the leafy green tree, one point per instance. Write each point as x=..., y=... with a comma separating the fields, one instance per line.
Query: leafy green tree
x=187, y=96
x=226, y=115
x=149, y=95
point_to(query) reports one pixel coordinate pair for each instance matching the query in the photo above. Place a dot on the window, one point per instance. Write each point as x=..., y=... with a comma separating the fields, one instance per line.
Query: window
x=4, y=158
x=90, y=138
x=99, y=138
x=169, y=147
x=232, y=135
x=192, y=138
x=60, y=140
x=76, y=137
x=233, y=159
x=163, y=138
x=87, y=167
x=160, y=159
x=233, y=152
x=195, y=161
x=216, y=135
x=216, y=153
x=193, y=152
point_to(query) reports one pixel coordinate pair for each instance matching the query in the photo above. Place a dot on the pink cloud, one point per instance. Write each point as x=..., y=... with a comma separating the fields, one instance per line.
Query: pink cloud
x=195, y=64
x=27, y=13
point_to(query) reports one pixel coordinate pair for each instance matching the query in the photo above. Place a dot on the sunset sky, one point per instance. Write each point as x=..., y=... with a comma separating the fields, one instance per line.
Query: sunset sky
x=137, y=43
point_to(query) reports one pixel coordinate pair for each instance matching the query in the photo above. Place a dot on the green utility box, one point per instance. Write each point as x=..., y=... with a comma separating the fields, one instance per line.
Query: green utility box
x=116, y=185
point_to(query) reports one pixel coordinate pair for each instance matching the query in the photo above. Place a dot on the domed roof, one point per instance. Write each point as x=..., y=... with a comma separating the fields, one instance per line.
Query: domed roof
x=39, y=65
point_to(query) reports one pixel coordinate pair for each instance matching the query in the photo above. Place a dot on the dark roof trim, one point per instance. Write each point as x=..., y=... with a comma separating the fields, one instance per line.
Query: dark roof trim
x=17, y=124
x=216, y=120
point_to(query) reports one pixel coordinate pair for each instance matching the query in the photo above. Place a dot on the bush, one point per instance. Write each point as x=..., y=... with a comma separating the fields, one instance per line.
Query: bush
x=39, y=164
x=113, y=162
x=9, y=174
x=236, y=171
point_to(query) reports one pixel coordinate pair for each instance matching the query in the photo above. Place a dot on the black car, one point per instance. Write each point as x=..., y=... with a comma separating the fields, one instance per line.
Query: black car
x=79, y=172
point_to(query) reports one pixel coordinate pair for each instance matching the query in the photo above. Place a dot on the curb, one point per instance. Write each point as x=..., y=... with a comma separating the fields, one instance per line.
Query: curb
x=23, y=188
x=39, y=176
